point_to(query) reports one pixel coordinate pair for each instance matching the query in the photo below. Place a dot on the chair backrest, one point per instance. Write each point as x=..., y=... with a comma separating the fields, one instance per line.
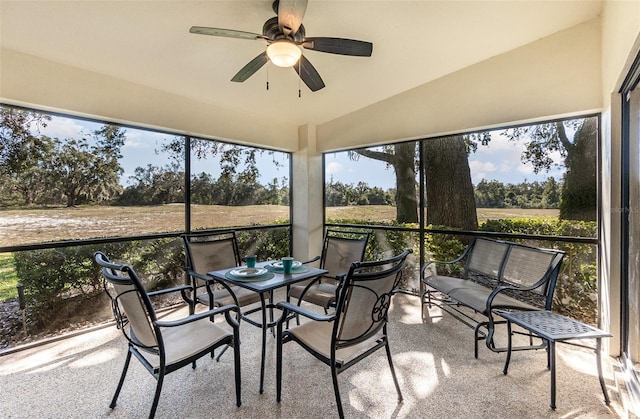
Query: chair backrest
x=487, y=257
x=341, y=249
x=527, y=266
x=208, y=252
x=130, y=303
x=364, y=298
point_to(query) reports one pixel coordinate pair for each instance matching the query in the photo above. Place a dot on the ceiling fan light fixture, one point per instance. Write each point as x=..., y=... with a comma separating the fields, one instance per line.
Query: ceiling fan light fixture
x=284, y=53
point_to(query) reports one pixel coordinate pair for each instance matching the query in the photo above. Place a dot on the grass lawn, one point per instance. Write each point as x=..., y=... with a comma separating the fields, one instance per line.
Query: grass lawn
x=8, y=279
x=27, y=226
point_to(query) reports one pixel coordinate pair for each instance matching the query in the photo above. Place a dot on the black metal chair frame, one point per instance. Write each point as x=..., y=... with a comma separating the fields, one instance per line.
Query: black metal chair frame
x=358, y=276
x=125, y=275
x=221, y=236
x=339, y=235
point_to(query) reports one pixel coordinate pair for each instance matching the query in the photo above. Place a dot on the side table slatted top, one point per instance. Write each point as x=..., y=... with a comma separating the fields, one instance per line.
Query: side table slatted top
x=550, y=325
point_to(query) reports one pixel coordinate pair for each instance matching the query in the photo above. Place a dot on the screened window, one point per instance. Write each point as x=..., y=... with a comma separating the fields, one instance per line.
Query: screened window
x=65, y=178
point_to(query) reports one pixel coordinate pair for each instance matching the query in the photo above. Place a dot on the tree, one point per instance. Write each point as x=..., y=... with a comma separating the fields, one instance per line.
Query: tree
x=551, y=194
x=81, y=172
x=490, y=194
x=22, y=152
x=402, y=157
x=579, y=190
x=449, y=190
x=155, y=185
x=238, y=181
x=450, y=195
x=17, y=141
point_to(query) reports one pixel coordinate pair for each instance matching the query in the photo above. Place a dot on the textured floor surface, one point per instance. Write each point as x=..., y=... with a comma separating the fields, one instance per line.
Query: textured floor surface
x=439, y=378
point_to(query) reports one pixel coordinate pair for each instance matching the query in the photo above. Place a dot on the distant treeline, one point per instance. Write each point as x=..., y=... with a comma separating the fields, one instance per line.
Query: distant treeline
x=488, y=194
x=154, y=186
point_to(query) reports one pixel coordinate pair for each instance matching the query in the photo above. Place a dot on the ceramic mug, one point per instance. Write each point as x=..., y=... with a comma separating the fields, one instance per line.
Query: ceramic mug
x=251, y=261
x=287, y=264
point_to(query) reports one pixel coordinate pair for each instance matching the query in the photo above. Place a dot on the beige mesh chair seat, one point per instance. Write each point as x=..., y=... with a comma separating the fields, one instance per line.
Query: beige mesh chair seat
x=357, y=329
x=164, y=346
x=340, y=248
x=208, y=252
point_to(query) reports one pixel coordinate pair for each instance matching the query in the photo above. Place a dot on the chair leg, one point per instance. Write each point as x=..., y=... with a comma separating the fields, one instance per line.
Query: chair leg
x=393, y=371
x=279, y=360
x=156, y=396
x=221, y=353
x=124, y=373
x=236, y=363
x=336, y=390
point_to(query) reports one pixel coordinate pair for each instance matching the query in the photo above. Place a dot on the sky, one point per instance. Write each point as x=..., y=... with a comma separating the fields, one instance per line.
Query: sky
x=500, y=161
x=143, y=147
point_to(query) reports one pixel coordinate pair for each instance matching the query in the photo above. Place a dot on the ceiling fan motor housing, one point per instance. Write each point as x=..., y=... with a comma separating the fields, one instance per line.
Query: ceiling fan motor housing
x=271, y=30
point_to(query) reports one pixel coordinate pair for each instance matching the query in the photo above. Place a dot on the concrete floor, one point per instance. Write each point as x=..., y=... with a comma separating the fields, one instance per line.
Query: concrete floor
x=439, y=378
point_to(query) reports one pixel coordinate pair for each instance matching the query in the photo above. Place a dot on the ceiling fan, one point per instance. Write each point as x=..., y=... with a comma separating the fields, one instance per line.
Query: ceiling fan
x=284, y=35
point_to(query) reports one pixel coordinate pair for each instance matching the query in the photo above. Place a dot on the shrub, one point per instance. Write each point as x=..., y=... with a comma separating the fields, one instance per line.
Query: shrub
x=576, y=290
x=266, y=244
x=60, y=282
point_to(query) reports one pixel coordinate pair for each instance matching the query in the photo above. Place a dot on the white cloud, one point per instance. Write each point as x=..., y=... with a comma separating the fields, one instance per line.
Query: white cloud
x=62, y=128
x=482, y=166
x=333, y=168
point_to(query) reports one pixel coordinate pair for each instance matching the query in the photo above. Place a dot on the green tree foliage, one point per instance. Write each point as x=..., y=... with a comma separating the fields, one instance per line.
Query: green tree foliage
x=494, y=194
x=18, y=137
x=154, y=185
x=338, y=194
x=83, y=171
x=42, y=170
x=21, y=152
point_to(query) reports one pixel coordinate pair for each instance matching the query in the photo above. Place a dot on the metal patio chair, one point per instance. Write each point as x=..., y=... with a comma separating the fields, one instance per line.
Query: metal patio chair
x=163, y=346
x=356, y=329
x=208, y=252
x=340, y=248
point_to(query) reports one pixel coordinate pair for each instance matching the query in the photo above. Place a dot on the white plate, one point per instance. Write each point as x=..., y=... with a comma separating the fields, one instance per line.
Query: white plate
x=248, y=272
x=278, y=264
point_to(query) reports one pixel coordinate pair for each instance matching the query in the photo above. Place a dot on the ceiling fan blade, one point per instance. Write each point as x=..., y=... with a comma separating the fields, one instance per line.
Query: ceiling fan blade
x=309, y=74
x=290, y=14
x=251, y=67
x=340, y=46
x=228, y=33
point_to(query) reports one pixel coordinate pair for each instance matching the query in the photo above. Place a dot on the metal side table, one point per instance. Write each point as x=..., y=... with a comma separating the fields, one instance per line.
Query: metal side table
x=553, y=328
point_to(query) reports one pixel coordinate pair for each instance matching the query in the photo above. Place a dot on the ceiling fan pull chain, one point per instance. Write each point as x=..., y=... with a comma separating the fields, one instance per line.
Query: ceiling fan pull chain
x=267, y=75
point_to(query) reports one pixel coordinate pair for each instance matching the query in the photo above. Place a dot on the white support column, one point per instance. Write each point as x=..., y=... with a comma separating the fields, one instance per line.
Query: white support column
x=308, y=214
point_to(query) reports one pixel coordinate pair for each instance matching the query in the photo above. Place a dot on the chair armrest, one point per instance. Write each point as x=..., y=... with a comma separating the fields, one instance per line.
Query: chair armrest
x=504, y=288
x=311, y=260
x=209, y=280
x=169, y=290
x=315, y=280
x=191, y=272
x=197, y=316
x=288, y=307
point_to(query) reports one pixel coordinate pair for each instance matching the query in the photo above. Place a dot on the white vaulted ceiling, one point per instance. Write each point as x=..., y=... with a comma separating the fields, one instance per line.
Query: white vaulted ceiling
x=148, y=43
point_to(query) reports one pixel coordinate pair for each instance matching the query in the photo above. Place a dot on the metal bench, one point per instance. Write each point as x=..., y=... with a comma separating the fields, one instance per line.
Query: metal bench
x=495, y=275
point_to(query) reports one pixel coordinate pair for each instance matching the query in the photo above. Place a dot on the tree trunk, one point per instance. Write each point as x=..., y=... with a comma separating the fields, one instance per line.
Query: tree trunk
x=406, y=195
x=450, y=198
x=402, y=157
x=579, y=192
